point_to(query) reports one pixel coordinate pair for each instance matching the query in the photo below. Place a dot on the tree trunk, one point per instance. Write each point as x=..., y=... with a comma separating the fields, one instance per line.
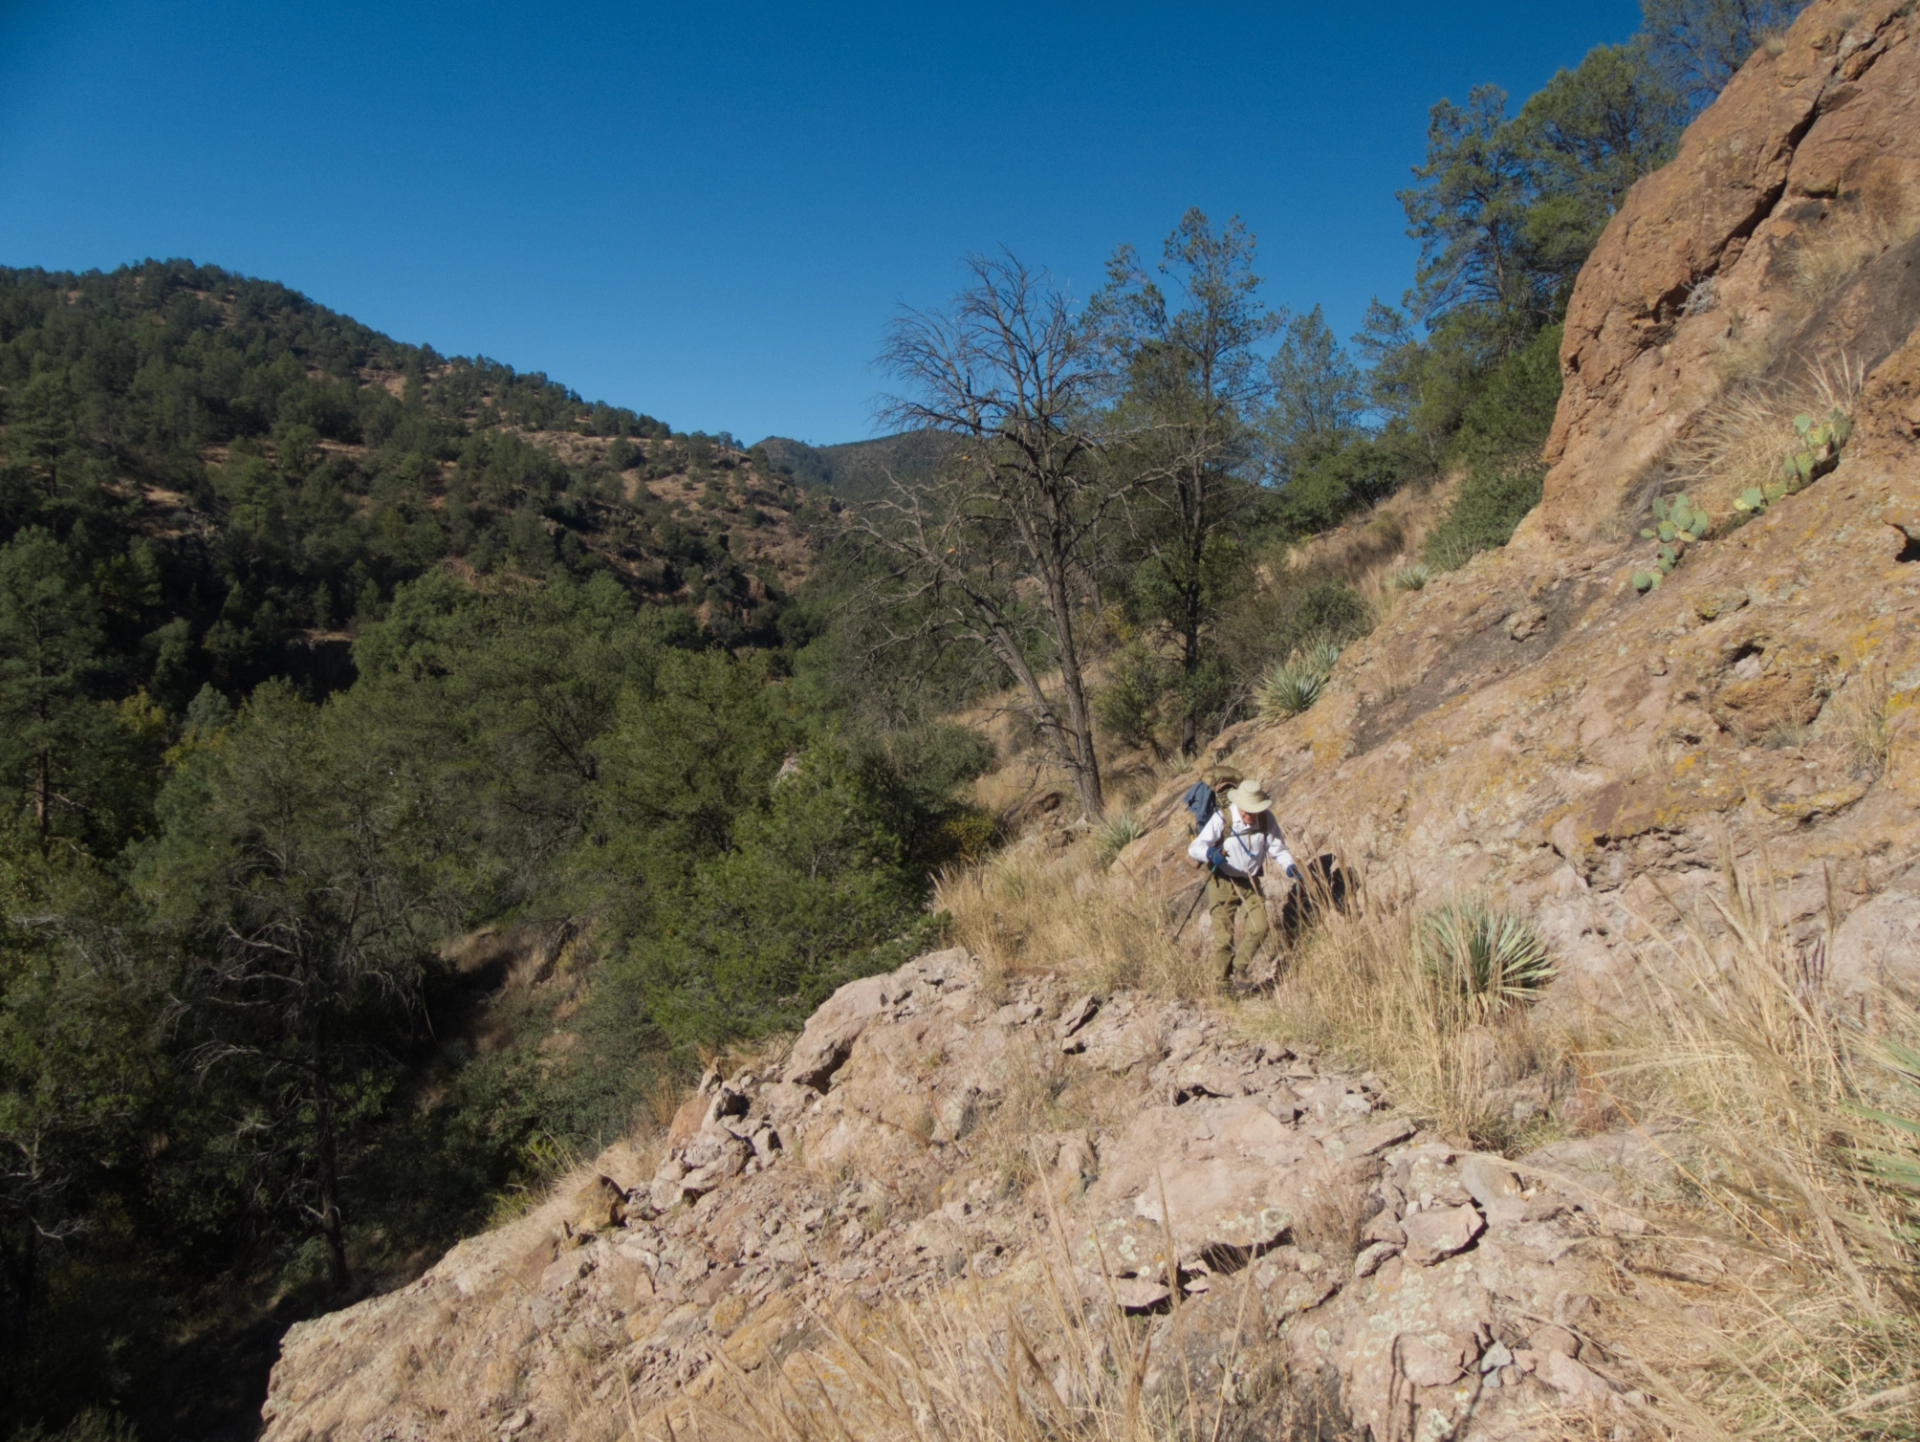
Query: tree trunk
x=43, y=794
x=1086, y=774
x=329, y=1209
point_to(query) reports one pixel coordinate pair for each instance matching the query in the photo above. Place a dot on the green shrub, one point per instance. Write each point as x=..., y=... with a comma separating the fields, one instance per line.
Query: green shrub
x=1412, y=578
x=1487, y=959
x=1363, y=471
x=1491, y=502
x=1512, y=412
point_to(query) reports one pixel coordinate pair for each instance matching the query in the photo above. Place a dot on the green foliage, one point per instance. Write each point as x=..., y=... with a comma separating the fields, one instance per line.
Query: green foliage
x=1412, y=578
x=1483, y=958
x=1326, y=487
x=1318, y=397
x=1511, y=414
x=1483, y=515
x=1697, y=45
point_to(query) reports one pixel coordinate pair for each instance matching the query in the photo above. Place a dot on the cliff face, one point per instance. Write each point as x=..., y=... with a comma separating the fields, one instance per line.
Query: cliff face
x=1534, y=727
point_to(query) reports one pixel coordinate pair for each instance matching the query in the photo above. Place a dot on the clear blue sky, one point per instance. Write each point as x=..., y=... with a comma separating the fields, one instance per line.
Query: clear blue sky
x=708, y=211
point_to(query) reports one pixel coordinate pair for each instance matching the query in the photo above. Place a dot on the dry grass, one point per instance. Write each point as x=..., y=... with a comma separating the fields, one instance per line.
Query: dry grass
x=1743, y=438
x=1862, y=716
x=1852, y=235
x=1356, y=985
x=1032, y=908
x=1021, y=1363
x=1799, y=1316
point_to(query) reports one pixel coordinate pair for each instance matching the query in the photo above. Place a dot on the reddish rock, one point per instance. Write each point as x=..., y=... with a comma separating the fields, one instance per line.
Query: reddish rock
x=1441, y=1232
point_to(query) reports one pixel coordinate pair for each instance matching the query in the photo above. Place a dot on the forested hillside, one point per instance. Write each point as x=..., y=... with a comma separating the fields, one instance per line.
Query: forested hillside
x=858, y=471
x=318, y=651
x=410, y=770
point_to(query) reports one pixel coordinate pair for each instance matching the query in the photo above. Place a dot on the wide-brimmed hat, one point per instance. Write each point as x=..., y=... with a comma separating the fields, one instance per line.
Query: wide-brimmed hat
x=1248, y=797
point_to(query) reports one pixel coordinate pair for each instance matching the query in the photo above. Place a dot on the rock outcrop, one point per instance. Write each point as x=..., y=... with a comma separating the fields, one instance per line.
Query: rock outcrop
x=1533, y=727
x=1402, y=1275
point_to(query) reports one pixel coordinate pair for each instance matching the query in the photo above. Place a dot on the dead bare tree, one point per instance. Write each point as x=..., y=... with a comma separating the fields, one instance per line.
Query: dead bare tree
x=993, y=549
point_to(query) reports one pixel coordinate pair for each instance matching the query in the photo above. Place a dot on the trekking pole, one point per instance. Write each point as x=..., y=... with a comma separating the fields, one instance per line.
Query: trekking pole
x=1193, y=907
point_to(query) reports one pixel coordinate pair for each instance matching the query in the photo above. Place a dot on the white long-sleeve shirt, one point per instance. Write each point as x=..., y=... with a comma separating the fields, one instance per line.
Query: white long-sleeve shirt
x=1252, y=843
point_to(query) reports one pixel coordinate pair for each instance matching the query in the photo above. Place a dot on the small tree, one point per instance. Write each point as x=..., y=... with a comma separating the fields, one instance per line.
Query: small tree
x=1185, y=380
x=993, y=549
x=1319, y=396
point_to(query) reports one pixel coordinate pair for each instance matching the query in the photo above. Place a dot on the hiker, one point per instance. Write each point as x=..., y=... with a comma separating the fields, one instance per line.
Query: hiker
x=1235, y=845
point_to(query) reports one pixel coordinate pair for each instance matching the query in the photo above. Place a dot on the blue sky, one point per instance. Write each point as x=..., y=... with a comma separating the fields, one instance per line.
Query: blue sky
x=708, y=212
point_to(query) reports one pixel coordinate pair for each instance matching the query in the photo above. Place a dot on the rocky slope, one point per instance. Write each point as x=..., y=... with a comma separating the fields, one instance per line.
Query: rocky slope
x=885, y=1160
x=943, y=1144
x=1534, y=727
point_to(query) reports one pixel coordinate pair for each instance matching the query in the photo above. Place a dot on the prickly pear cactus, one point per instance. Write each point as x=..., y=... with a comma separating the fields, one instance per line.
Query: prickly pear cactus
x=1818, y=453
x=1678, y=522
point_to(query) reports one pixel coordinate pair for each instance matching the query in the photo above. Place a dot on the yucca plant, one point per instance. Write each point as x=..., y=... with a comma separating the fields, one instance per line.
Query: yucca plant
x=1489, y=959
x=1293, y=685
x=1412, y=578
x=1117, y=833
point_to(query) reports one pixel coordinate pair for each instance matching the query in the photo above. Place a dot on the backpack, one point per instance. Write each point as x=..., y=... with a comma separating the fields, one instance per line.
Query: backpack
x=1201, y=803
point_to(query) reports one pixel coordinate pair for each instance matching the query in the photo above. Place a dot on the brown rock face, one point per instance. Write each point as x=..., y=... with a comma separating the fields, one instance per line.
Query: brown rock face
x=1696, y=276
x=1591, y=765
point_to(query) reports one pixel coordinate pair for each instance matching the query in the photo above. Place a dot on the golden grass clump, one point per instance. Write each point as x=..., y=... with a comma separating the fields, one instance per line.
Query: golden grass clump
x=1863, y=714
x=1744, y=438
x=1032, y=908
x=1852, y=234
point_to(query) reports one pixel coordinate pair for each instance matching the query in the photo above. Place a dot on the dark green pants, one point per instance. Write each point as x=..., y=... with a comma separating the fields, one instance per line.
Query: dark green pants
x=1227, y=896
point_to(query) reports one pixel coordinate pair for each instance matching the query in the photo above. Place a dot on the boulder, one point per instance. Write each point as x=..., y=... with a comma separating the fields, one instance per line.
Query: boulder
x=1878, y=945
x=831, y=1032
x=1441, y=1232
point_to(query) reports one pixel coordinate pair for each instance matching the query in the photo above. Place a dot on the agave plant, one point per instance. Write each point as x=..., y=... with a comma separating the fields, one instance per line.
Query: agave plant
x=1487, y=958
x=1412, y=578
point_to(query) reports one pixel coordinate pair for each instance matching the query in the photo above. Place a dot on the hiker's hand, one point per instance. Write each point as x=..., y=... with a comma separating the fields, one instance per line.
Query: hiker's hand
x=1216, y=858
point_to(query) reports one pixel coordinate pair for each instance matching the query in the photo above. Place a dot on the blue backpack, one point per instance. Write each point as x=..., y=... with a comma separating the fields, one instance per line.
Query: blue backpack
x=1199, y=800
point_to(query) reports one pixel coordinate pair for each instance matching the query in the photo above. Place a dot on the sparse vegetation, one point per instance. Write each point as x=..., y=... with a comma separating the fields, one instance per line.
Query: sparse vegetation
x=1743, y=444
